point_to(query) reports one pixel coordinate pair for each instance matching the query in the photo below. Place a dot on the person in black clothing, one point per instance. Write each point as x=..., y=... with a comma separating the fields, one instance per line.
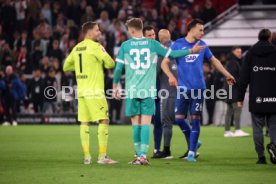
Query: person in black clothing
x=68, y=79
x=36, y=56
x=24, y=41
x=209, y=12
x=233, y=111
x=35, y=91
x=210, y=103
x=55, y=52
x=50, y=82
x=259, y=71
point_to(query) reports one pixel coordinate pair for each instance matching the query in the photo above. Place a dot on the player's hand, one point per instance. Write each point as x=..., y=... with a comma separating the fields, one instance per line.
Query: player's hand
x=173, y=81
x=197, y=48
x=240, y=104
x=116, y=92
x=230, y=80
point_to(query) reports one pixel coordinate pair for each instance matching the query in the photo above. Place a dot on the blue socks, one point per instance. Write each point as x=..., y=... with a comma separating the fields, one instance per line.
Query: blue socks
x=194, y=134
x=191, y=135
x=185, y=128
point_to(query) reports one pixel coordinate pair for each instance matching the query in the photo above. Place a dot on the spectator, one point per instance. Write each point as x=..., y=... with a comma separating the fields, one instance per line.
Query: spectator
x=196, y=12
x=36, y=56
x=209, y=80
x=2, y=87
x=16, y=37
x=88, y=16
x=68, y=80
x=104, y=21
x=13, y=92
x=6, y=55
x=35, y=91
x=128, y=8
x=24, y=63
x=20, y=7
x=49, y=102
x=184, y=21
x=24, y=41
x=172, y=29
x=56, y=11
x=209, y=12
x=47, y=12
x=113, y=13
x=45, y=64
x=257, y=69
x=33, y=14
x=233, y=111
x=9, y=22
x=55, y=51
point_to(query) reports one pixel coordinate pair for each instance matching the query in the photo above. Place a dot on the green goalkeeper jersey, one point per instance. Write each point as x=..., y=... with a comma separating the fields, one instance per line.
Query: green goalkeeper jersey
x=139, y=56
x=88, y=59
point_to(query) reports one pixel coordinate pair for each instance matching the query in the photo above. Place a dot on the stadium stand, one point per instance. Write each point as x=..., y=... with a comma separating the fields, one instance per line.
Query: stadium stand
x=39, y=35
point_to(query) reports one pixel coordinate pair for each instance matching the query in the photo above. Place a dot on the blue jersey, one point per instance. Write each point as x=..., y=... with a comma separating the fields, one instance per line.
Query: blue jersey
x=190, y=72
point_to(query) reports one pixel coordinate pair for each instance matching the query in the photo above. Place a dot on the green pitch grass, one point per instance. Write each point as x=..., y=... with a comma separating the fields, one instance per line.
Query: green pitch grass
x=52, y=154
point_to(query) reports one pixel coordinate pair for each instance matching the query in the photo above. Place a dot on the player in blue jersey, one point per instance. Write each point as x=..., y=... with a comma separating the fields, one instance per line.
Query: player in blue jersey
x=191, y=84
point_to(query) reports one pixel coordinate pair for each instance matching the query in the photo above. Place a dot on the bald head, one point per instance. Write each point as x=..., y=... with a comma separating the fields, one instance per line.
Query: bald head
x=164, y=35
x=9, y=70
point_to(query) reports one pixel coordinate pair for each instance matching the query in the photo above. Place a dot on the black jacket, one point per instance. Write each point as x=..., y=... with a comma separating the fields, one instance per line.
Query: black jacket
x=234, y=67
x=259, y=71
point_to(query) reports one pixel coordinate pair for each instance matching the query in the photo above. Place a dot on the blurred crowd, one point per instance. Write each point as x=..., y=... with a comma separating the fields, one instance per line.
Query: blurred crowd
x=37, y=35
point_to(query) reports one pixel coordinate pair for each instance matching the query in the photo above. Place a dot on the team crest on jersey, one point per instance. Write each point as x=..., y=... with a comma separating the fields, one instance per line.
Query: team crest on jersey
x=174, y=67
x=191, y=58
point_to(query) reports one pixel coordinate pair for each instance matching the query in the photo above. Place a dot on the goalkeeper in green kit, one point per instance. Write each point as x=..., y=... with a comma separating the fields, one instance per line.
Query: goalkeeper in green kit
x=87, y=59
x=139, y=57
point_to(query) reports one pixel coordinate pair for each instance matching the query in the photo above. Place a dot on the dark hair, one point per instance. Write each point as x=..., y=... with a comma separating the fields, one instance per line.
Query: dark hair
x=147, y=28
x=264, y=35
x=193, y=23
x=235, y=47
x=37, y=43
x=135, y=23
x=87, y=26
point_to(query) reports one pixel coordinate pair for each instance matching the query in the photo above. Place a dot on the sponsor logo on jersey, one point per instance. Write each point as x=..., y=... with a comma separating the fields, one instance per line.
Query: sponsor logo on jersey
x=265, y=68
x=191, y=58
x=259, y=100
x=266, y=99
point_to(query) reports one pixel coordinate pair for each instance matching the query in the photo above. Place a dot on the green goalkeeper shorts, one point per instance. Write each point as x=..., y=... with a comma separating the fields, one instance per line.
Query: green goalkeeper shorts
x=92, y=109
x=138, y=106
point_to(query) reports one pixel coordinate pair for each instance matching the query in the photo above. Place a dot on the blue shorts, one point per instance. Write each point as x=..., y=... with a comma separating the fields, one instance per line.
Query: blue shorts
x=191, y=101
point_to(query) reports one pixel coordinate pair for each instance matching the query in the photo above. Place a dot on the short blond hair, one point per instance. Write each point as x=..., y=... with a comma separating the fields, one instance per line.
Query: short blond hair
x=135, y=23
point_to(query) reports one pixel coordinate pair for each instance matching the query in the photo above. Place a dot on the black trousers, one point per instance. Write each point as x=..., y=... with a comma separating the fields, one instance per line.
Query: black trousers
x=10, y=108
x=258, y=123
